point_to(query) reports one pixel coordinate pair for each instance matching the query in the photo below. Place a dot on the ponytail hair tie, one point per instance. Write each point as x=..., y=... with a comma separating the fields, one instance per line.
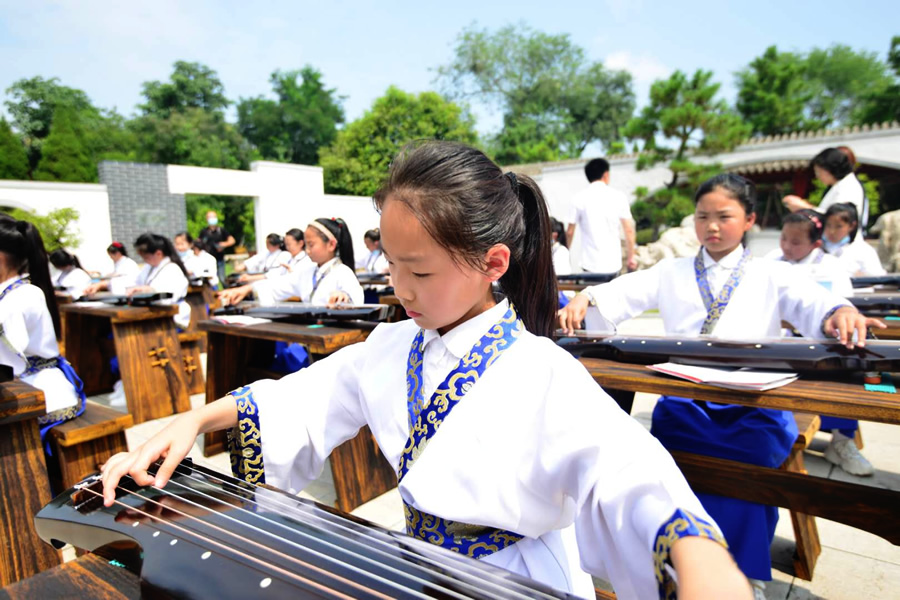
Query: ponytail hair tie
x=513, y=181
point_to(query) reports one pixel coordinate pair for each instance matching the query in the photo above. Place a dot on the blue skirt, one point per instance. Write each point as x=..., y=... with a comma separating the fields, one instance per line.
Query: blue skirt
x=757, y=436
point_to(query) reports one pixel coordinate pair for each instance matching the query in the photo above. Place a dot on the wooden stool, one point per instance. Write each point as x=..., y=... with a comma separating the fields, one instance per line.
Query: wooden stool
x=191, y=346
x=806, y=533
x=82, y=445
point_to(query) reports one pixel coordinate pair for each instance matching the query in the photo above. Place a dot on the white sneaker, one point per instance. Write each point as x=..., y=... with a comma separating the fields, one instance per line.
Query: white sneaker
x=117, y=397
x=759, y=589
x=842, y=451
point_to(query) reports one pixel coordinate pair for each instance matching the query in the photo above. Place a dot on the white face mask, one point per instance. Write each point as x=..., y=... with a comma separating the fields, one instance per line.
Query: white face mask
x=213, y=220
x=831, y=247
x=184, y=255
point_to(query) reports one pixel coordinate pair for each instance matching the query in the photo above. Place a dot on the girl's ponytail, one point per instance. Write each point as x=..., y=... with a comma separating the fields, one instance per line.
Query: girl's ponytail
x=536, y=304
x=151, y=242
x=36, y=265
x=338, y=228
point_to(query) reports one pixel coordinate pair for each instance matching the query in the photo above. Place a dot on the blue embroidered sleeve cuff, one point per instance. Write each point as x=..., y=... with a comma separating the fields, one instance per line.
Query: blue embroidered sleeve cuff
x=828, y=316
x=245, y=440
x=681, y=524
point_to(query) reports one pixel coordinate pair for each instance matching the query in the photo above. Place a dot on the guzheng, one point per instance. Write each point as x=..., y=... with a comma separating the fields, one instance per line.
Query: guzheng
x=803, y=355
x=586, y=278
x=134, y=300
x=301, y=312
x=207, y=535
x=877, y=304
x=892, y=279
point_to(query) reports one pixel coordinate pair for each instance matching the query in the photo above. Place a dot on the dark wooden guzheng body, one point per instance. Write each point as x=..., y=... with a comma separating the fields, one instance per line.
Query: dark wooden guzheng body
x=891, y=279
x=802, y=355
x=301, y=312
x=207, y=535
x=878, y=304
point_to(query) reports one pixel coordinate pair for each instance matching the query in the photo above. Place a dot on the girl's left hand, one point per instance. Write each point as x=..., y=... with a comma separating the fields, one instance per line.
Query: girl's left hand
x=845, y=321
x=338, y=297
x=138, y=289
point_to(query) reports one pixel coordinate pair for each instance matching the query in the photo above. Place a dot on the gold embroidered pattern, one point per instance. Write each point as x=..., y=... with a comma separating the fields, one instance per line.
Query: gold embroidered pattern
x=245, y=440
x=681, y=524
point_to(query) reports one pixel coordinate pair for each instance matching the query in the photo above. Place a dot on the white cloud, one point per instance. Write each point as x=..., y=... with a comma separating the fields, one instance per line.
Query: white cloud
x=644, y=68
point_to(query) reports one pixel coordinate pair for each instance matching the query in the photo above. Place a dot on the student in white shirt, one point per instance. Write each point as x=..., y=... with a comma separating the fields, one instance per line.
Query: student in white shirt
x=533, y=451
x=560, y=248
x=842, y=240
x=202, y=263
x=273, y=261
x=123, y=275
x=74, y=279
x=294, y=259
x=735, y=297
x=834, y=168
x=801, y=246
x=602, y=212
x=325, y=279
x=374, y=261
x=163, y=272
x=29, y=322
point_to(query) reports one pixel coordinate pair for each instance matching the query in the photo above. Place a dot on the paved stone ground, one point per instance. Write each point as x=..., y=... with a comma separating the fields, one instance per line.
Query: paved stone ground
x=853, y=564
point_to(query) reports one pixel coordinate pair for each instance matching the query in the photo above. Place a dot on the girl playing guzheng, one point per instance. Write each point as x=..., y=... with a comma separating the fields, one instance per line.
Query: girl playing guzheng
x=506, y=448
x=723, y=292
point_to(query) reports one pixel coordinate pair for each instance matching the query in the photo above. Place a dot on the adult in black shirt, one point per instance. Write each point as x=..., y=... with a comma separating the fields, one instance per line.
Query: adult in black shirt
x=217, y=240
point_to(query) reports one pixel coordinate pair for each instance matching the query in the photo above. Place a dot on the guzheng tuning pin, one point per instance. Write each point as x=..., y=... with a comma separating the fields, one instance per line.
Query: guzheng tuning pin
x=88, y=495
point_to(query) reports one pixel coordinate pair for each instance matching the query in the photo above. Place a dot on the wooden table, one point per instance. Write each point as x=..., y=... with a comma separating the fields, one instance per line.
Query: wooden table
x=89, y=577
x=865, y=507
x=145, y=342
x=241, y=354
x=24, y=486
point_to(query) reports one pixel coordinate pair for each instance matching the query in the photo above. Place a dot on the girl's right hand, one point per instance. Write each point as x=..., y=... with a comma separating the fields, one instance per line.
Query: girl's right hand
x=234, y=295
x=573, y=314
x=172, y=443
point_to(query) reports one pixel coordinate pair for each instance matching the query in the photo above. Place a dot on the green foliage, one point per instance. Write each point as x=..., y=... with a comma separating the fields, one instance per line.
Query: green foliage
x=683, y=120
x=33, y=104
x=554, y=101
x=358, y=160
x=293, y=128
x=54, y=227
x=840, y=79
x=190, y=137
x=64, y=156
x=773, y=95
x=236, y=213
x=191, y=85
x=882, y=103
x=13, y=159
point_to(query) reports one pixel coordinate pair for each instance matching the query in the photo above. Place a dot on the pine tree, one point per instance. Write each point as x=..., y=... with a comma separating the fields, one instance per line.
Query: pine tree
x=13, y=159
x=64, y=156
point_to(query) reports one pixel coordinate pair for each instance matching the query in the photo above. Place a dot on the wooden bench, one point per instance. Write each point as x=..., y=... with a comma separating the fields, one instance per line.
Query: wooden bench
x=82, y=445
x=192, y=343
x=806, y=534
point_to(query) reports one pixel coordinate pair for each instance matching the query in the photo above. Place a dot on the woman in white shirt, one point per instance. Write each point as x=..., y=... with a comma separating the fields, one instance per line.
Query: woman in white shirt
x=163, y=272
x=72, y=277
x=326, y=279
x=29, y=322
x=834, y=168
x=123, y=275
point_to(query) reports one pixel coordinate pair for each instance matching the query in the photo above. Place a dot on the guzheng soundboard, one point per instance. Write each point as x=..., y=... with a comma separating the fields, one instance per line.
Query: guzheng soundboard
x=301, y=312
x=207, y=535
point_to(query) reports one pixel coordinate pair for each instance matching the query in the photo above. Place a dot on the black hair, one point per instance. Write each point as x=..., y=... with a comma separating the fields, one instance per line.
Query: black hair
x=847, y=213
x=467, y=204
x=738, y=188
x=22, y=244
x=373, y=235
x=117, y=247
x=295, y=233
x=61, y=259
x=810, y=219
x=834, y=161
x=200, y=244
x=596, y=168
x=559, y=229
x=273, y=239
x=187, y=237
x=341, y=233
x=148, y=243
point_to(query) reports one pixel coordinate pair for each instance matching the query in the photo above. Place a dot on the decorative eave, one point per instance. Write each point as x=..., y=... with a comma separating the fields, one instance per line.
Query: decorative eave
x=769, y=166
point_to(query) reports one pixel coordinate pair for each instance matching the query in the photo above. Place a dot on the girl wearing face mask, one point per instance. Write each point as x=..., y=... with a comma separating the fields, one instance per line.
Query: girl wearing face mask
x=842, y=240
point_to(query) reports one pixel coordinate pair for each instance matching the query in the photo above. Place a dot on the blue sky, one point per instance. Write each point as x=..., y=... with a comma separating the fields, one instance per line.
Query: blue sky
x=109, y=48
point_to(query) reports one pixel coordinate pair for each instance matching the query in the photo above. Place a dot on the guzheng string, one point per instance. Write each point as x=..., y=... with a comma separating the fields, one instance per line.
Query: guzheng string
x=228, y=549
x=379, y=538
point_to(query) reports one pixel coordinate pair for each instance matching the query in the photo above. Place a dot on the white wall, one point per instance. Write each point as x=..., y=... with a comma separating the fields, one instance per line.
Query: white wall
x=93, y=227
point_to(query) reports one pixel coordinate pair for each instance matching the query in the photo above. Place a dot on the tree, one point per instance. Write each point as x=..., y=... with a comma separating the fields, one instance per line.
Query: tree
x=64, y=156
x=55, y=227
x=685, y=111
x=773, y=94
x=882, y=104
x=33, y=104
x=554, y=101
x=293, y=128
x=13, y=159
x=358, y=160
x=191, y=85
x=840, y=79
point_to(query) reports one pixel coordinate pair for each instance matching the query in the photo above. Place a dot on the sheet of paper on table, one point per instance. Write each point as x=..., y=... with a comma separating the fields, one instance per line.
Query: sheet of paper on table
x=736, y=379
x=239, y=320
